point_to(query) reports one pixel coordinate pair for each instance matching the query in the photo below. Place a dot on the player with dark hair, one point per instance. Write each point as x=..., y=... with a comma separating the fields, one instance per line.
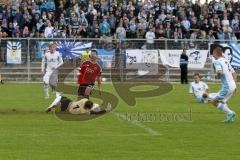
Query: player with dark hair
x=83, y=106
x=87, y=74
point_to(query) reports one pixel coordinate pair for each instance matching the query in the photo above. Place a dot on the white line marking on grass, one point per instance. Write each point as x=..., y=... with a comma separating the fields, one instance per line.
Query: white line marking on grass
x=137, y=123
x=85, y=135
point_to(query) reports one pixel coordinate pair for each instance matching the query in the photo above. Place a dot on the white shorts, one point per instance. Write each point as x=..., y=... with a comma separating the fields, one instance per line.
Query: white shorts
x=211, y=95
x=224, y=95
x=51, y=78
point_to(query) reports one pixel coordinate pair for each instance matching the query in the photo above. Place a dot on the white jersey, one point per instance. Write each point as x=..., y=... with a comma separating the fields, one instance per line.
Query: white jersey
x=226, y=69
x=150, y=36
x=51, y=61
x=198, y=88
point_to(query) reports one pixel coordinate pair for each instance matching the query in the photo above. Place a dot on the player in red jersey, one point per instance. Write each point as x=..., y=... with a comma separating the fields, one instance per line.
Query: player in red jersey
x=87, y=74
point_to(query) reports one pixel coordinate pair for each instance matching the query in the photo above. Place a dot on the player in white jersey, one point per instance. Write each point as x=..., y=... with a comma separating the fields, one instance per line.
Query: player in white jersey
x=51, y=61
x=226, y=73
x=200, y=90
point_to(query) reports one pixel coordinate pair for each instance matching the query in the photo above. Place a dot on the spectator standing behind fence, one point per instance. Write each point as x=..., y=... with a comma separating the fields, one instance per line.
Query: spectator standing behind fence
x=48, y=32
x=121, y=32
x=184, y=67
x=105, y=27
x=150, y=36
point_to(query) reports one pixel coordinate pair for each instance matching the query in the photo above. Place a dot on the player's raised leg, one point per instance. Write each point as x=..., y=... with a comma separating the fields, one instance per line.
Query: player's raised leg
x=220, y=102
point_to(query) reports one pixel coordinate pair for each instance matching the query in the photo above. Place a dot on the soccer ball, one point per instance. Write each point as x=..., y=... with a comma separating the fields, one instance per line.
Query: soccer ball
x=85, y=56
x=104, y=79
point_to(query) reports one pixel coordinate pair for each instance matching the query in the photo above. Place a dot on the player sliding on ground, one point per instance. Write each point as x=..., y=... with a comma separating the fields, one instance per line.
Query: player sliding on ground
x=51, y=61
x=83, y=106
x=226, y=73
x=199, y=89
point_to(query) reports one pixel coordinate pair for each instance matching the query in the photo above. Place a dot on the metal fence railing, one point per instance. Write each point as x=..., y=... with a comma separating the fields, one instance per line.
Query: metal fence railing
x=32, y=50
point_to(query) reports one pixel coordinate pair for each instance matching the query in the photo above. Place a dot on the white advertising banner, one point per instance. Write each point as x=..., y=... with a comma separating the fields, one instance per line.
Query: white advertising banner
x=196, y=58
x=14, y=52
x=144, y=60
x=170, y=57
x=231, y=51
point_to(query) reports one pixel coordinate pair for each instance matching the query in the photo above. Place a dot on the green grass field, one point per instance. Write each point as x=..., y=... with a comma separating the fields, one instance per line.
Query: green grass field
x=27, y=133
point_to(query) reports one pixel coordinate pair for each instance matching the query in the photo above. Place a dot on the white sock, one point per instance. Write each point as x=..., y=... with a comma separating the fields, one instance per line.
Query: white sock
x=56, y=101
x=224, y=107
x=58, y=94
x=46, y=89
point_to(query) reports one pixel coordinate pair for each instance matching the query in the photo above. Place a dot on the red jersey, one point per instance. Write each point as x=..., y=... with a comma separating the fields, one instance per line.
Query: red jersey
x=89, y=72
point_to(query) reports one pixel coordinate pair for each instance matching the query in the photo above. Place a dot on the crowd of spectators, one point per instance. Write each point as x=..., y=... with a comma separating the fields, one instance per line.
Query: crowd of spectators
x=151, y=19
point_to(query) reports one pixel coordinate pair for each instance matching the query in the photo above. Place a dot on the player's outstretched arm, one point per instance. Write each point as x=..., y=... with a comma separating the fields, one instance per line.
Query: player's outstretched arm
x=102, y=111
x=218, y=67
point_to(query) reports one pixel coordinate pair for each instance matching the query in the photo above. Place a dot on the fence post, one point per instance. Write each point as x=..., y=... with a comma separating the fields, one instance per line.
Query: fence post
x=166, y=45
x=121, y=60
x=28, y=60
x=75, y=71
x=167, y=67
